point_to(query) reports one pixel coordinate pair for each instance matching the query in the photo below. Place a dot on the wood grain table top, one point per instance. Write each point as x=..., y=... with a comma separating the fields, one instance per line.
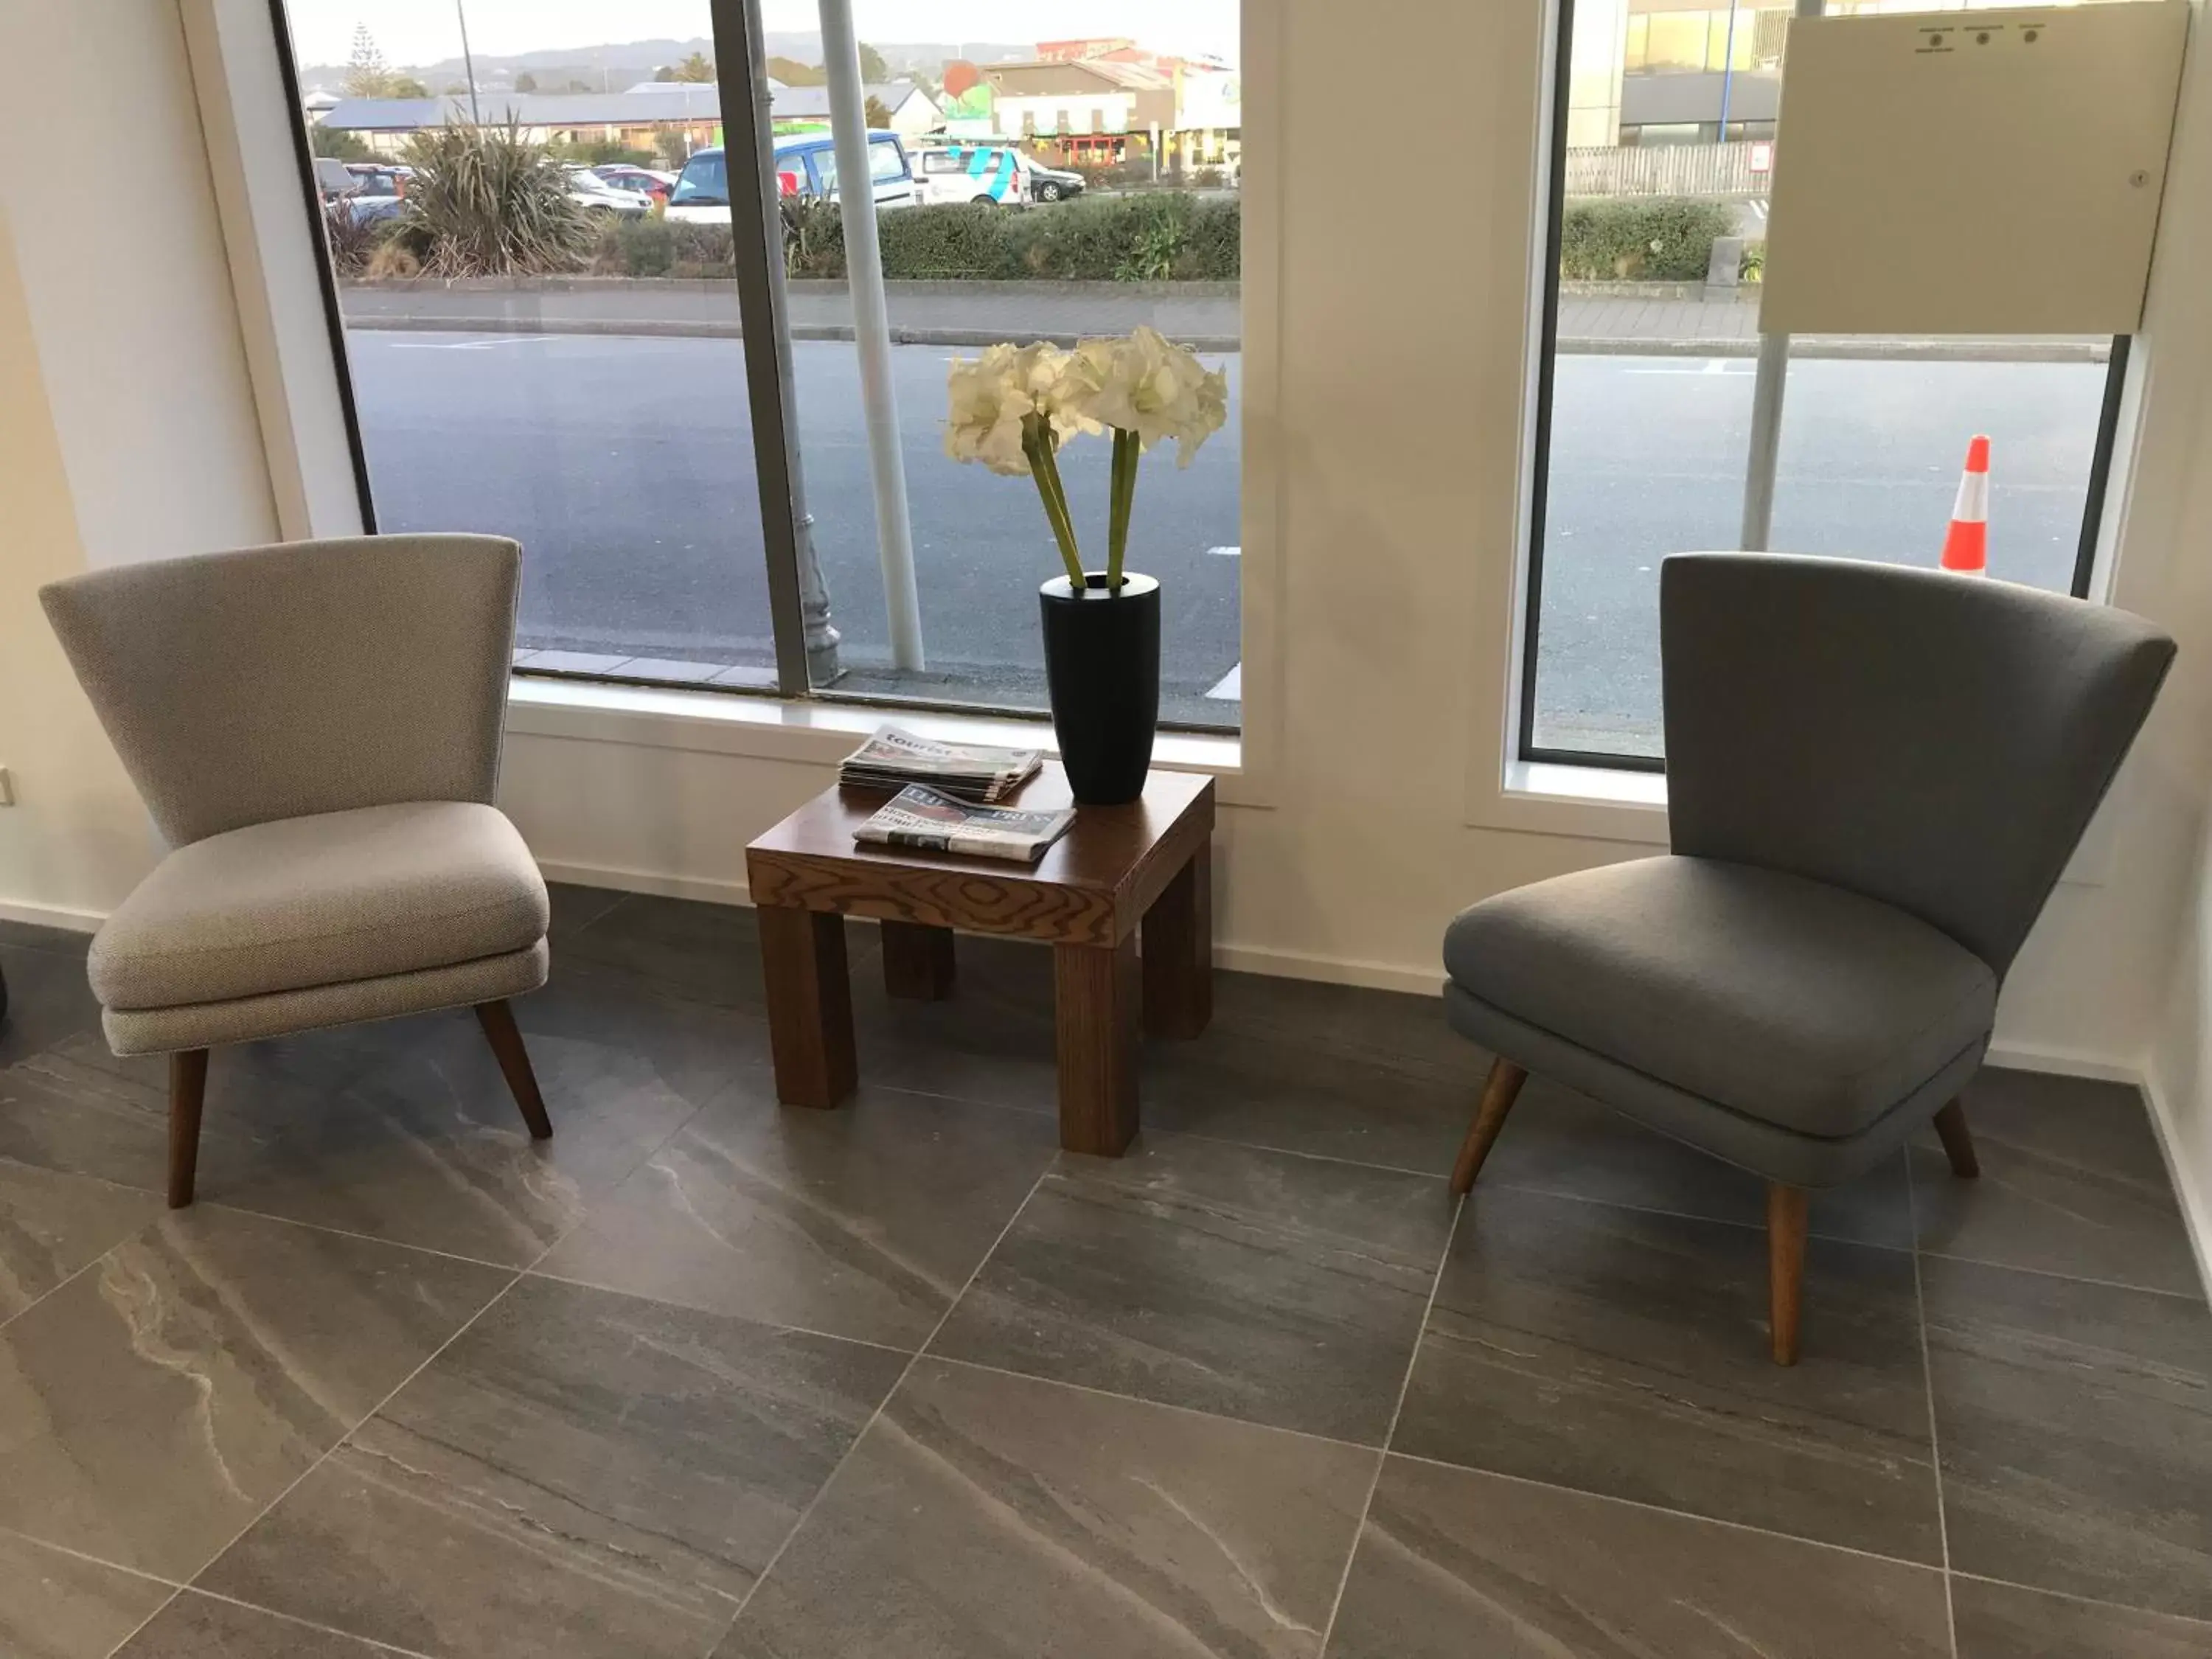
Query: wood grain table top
x=1091, y=887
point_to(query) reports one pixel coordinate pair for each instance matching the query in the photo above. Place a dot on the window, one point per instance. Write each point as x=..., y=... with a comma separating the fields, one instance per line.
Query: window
x=701, y=502
x=1646, y=443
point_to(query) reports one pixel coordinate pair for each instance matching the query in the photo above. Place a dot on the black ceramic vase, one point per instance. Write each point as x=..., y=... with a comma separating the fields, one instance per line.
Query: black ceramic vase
x=1102, y=664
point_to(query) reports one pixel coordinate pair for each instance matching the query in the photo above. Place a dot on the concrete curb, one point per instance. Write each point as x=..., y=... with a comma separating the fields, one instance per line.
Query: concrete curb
x=654, y=328
x=1865, y=349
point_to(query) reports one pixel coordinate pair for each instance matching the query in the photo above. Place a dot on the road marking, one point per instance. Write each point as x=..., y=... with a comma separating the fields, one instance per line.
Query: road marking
x=1758, y=207
x=1226, y=552
x=1231, y=688
x=467, y=345
x=1716, y=367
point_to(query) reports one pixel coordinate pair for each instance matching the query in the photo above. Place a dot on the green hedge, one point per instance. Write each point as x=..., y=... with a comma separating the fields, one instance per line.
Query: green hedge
x=1159, y=236
x=1650, y=238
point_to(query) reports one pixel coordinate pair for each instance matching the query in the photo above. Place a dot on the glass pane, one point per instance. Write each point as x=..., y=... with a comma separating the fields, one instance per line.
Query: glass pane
x=1654, y=367
x=603, y=424
x=1116, y=206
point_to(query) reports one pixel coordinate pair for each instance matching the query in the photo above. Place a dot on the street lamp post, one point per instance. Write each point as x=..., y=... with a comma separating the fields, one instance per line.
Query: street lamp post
x=468, y=62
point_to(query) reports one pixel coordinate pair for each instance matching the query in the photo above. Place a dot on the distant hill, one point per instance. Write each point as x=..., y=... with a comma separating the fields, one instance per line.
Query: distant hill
x=612, y=67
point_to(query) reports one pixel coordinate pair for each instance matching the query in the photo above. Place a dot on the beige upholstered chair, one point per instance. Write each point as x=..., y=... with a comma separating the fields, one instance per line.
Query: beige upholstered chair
x=315, y=728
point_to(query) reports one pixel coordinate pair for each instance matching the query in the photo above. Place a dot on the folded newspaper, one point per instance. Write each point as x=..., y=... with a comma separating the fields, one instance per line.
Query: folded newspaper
x=968, y=771
x=922, y=817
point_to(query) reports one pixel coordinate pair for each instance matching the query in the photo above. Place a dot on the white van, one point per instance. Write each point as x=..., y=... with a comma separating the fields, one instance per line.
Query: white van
x=973, y=173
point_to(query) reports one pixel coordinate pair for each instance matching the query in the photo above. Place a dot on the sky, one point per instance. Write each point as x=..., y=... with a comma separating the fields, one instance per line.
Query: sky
x=425, y=31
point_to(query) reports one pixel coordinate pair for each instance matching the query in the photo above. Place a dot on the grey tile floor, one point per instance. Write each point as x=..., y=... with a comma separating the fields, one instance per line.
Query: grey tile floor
x=710, y=1379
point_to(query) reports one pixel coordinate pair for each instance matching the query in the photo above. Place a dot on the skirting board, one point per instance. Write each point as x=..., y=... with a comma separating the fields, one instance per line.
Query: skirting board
x=1236, y=958
x=64, y=917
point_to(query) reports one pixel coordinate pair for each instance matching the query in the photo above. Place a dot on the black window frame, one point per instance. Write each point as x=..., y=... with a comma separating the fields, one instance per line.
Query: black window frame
x=748, y=159
x=1525, y=747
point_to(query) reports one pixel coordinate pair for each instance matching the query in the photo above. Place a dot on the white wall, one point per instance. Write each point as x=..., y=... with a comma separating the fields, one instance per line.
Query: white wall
x=127, y=425
x=1391, y=438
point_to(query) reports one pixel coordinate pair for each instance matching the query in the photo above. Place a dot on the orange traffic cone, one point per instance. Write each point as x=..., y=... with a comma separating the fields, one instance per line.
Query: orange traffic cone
x=1966, y=544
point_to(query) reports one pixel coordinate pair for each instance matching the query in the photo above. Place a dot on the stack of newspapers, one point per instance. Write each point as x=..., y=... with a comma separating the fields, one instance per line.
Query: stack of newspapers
x=894, y=758
x=921, y=818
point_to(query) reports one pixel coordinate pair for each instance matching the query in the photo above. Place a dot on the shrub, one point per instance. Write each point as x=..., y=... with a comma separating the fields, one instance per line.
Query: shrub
x=654, y=247
x=353, y=241
x=1159, y=236
x=1657, y=238
x=1753, y=268
x=970, y=240
x=485, y=202
x=601, y=153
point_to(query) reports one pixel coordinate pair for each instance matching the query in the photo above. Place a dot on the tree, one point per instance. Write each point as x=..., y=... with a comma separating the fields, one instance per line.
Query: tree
x=873, y=70
x=792, y=73
x=338, y=142
x=366, y=74
x=698, y=67
x=674, y=144
x=879, y=112
x=526, y=81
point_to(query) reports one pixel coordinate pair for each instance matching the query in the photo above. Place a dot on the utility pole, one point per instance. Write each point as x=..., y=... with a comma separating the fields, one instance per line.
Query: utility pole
x=871, y=328
x=468, y=62
x=1766, y=447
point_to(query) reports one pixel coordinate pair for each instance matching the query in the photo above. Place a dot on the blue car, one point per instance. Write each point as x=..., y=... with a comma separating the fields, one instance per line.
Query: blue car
x=805, y=169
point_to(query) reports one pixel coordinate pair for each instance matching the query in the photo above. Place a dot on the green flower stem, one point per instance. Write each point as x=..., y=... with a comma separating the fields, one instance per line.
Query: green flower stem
x=1044, y=468
x=1120, y=504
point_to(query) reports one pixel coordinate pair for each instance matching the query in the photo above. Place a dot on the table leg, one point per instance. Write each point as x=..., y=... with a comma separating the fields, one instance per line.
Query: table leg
x=1097, y=990
x=918, y=961
x=810, y=1005
x=1179, y=952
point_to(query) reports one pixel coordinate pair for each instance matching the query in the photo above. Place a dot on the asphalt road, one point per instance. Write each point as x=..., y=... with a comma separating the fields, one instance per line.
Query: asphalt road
x=624, y=467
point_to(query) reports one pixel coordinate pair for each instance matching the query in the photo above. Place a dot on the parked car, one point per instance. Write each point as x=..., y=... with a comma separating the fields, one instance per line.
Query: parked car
x=974, y=173
x=1054, y=184
x=805, y=169
x=334, y=179
x=594, y=193
x=644, y=181
x=379, y=192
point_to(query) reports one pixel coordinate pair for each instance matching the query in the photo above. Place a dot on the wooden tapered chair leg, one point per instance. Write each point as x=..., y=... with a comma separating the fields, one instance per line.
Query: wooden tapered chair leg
x=1788, y=1210
x=498, y=1029
x=1958, y=1140
x=1498, y=1092
x=188, y=1092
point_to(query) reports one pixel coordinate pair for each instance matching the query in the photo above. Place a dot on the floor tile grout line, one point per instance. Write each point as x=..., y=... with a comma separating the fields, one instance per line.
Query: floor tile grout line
x=294, y=1618
x=1156, y=1405
x=778, y=1325
x=55, y=1288
x=328, y=1452
x=1382, y=1452
x=1691, y=1516
x=889, y=1393
x=2081, y=1600
x=76, y=1554
x=1928, y=1393
x=2193, y=1298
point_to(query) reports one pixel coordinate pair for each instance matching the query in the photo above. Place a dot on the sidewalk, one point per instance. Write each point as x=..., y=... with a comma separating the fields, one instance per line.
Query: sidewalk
x=1205, y=315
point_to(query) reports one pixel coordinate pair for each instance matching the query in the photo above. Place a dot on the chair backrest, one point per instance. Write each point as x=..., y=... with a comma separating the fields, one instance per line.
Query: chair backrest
x=311, y=676
x=1936, y=742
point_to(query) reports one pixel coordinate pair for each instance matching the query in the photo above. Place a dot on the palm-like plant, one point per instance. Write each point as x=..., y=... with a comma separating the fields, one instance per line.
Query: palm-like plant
x=484, y=202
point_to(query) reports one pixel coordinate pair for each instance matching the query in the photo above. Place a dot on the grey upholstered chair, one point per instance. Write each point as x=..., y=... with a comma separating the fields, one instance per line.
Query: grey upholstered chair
x=315, y=728
x=1875, y=777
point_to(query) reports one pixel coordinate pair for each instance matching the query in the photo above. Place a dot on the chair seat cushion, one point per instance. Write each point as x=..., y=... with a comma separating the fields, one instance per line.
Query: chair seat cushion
x=1792, y=1002
x=324, y=900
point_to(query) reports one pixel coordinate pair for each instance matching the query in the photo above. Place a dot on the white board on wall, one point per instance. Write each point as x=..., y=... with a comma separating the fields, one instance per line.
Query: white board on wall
x=1971, y=172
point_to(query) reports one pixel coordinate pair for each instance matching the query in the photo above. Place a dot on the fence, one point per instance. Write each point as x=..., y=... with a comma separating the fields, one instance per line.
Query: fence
x=1665, y=170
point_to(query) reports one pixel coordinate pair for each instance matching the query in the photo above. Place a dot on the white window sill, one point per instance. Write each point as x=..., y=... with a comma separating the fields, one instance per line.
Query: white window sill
x=1589, y=803
x=771, y=728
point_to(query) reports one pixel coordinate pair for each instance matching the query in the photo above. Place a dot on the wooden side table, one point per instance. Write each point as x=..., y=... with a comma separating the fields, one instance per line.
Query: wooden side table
x=1147, y=864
